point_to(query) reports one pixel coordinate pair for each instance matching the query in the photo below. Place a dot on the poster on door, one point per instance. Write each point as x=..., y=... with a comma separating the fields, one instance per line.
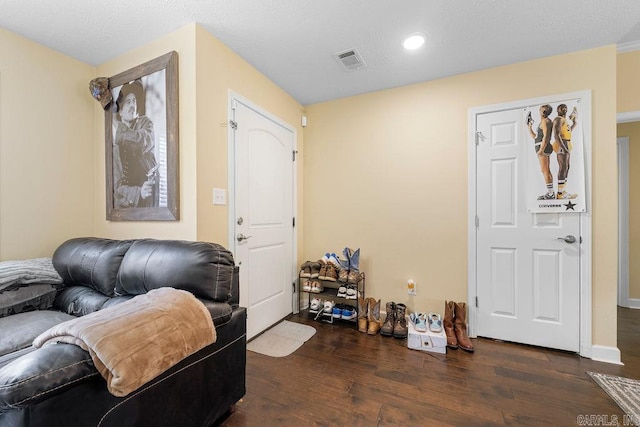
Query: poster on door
x=555, y=162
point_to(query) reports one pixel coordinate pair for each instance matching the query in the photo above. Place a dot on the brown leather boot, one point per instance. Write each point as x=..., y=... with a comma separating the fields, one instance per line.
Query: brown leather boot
x=400, y=330
x=390, y=321
x=375, y=321
x=460, y=326
x=363, y=314
x=447, y=322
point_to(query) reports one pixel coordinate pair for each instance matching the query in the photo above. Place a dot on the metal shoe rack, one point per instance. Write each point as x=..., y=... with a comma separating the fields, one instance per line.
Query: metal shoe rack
x=330, y=292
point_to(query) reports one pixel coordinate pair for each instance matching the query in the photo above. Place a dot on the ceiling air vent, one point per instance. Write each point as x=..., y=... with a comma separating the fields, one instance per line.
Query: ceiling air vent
x=350, y=60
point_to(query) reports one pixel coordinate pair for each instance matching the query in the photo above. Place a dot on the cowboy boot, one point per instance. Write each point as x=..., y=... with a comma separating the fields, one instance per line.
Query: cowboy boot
x=460, y=326
x=375, y=321
x=363, y=314
x=452, y=341
x=390, y=321
x=400, y=330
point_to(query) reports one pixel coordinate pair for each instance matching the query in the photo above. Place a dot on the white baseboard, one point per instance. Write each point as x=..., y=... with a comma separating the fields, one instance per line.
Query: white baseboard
x=601, y=353
x=633, y=303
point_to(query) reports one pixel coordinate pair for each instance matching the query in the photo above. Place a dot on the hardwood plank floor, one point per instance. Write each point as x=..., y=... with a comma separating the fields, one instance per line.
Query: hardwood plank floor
x=342, y=377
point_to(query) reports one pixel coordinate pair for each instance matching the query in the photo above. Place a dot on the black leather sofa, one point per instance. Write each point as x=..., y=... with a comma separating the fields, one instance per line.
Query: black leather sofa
x=57, y=385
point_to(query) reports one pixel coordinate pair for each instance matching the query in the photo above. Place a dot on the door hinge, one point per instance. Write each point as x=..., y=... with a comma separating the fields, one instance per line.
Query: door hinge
x=479, y=137
x=477, y=221
x=294, y=154
x=580, y=239
x=294, y=221
x=233, y=124
x=477, y=302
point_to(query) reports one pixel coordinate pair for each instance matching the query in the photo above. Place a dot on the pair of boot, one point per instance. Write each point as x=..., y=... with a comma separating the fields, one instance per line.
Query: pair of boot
x=455, y=326
x=350, y=267
x=369, y=320
x=395, y=325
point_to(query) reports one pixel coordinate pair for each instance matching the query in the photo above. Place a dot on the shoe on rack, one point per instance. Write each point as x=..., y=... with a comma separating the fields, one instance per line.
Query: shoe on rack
x=342, y=291
x=435, y=322
x=352, y=292
x=306, y=286
x=547, y=196
x=333, y=258
x=328, y=307
x=315, y=270
x=337, y=311
x=348, y=313
x=305, y=269
x=419, y=321
x=316, y=287
x=343, y=275
x=322, y=273
x=316, y=304
x=331, y=273
x=354, y=277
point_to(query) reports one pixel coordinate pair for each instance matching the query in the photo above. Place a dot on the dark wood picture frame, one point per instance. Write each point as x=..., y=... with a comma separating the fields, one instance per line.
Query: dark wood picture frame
x=166, y=206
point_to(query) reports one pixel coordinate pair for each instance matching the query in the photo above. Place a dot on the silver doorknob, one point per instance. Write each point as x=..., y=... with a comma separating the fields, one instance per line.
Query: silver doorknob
x=242, y=237
x=568, y=238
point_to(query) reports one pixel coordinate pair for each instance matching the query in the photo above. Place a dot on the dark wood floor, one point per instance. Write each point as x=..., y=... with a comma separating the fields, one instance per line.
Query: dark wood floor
x=345, y=378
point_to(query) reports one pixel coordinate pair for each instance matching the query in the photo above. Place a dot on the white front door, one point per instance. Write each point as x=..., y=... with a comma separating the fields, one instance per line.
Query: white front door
x=528, y=276
x=263, y=211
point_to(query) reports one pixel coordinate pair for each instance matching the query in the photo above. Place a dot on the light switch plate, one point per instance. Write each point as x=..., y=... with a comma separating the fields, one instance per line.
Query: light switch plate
x=219, y=196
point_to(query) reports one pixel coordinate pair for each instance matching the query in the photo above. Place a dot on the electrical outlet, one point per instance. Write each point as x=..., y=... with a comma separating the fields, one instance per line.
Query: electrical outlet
x=411, y=287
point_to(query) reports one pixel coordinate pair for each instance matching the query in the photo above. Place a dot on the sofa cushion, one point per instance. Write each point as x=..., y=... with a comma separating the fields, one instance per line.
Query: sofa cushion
x=26, y=298
x=78, y=300
x=90, y=261
x=14, y=274
x=19, y=330
x=204, y=269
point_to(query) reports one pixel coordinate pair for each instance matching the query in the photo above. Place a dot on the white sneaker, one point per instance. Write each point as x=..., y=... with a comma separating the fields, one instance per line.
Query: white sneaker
x=306, y=286
x=352, y=292
x=342, y=291
x=316, y=304
x=328, y=307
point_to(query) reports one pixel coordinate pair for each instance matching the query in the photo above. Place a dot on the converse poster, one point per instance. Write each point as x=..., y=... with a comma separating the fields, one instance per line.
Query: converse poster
x=555, y=159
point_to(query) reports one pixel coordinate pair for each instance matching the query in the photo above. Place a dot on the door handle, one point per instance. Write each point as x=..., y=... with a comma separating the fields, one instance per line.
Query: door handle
x=242, y=237
x=568, y=238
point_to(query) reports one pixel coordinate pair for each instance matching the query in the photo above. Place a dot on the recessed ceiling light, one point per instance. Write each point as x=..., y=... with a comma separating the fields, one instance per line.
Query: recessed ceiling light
x=413, y=41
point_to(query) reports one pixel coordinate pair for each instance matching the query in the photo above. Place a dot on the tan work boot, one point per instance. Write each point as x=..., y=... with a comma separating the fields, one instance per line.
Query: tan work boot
x=375, y=321
x=363, y=314
x=390, y=321
x=400, y=329
x=447, y=322
x=460, y=326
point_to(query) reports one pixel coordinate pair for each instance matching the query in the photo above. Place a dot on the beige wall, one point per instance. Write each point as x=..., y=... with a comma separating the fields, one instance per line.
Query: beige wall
x=632, y=130
x=183, y=42
x=207, y=70
x=218, y=71
x=387, y=172
x=628, y=82
x=46, y=147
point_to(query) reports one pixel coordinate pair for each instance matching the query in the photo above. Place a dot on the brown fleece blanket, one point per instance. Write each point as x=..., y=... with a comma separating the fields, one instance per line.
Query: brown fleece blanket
x=133, y=342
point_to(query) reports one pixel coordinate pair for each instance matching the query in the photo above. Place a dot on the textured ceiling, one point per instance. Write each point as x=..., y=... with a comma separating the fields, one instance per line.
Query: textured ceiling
x=293, y=41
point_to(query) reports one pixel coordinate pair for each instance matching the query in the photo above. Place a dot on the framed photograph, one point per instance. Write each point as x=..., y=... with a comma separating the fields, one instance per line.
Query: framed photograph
x=141, y=143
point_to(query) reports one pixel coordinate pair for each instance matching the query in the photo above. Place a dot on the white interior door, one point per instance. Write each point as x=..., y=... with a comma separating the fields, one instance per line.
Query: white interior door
x=264, y=214
x=528, y=277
